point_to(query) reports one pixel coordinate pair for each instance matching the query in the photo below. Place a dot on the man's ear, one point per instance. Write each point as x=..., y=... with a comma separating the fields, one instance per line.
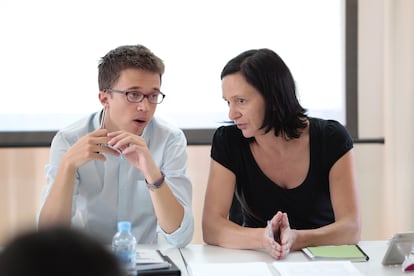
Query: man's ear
x=103, y=98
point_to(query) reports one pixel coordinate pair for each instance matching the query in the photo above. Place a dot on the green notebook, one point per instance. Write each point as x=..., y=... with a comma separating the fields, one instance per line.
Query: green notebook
x=336, y=252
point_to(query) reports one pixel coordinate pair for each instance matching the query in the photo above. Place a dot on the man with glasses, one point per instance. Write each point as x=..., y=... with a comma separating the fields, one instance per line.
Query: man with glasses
x=122, y=163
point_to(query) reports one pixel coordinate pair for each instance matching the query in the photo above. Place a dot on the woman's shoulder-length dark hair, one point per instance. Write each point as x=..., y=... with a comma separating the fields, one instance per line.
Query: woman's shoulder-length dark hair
x=268, y=73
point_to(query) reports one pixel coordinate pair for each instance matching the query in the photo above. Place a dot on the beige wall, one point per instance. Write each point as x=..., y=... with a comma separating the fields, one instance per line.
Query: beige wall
x=21, y=180
x=386, y=98
x=385, y=173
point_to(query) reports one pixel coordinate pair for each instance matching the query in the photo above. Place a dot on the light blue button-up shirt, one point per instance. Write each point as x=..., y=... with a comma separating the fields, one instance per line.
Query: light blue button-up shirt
x=106, y=192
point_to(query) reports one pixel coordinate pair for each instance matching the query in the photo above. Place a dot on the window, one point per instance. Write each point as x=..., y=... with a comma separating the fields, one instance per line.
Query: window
x=50, y=52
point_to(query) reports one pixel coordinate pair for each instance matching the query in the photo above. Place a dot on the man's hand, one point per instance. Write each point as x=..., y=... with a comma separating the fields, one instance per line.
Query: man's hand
x=89, y=147
x=134, y=148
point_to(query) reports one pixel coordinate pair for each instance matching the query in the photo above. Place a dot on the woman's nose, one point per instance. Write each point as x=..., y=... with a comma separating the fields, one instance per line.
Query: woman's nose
x=233, y=113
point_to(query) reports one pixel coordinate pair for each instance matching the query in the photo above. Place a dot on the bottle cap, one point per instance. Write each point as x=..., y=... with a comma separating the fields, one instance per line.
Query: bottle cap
x=124, y=226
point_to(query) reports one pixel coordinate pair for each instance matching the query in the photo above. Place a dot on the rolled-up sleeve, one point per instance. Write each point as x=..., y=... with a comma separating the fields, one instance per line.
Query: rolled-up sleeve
x=174, y=166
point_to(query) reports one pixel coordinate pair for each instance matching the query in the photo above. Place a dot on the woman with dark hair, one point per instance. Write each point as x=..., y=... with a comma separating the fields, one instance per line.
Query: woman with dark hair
x=292, y=174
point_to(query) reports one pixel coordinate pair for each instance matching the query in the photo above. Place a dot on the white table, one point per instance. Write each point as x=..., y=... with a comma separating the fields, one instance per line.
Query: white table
x=198, y=253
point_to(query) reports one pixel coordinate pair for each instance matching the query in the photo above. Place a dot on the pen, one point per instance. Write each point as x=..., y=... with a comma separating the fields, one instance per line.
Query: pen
x=101, y=125
x=269, y=229
x=184, y=261
x=102, y=118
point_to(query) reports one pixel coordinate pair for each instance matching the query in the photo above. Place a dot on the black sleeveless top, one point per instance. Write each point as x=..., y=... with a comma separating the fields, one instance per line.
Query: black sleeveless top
x=309, y=205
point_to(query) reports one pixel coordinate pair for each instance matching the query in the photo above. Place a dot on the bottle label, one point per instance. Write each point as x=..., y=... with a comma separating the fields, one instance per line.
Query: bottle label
x=127, y=258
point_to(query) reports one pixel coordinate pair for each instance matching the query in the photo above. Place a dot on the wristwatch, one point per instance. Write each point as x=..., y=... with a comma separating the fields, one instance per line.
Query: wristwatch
x=157, y=183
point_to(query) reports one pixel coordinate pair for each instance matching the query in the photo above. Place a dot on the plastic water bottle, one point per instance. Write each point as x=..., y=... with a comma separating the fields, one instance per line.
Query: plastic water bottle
x=124, y=245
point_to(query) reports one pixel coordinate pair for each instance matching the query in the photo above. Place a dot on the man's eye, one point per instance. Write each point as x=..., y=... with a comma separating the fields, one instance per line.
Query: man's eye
x=153, y=97
x=134, y=94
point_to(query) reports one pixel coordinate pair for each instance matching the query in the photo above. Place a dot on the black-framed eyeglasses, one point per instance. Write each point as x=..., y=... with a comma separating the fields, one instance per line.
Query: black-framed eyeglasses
x=134, y=96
